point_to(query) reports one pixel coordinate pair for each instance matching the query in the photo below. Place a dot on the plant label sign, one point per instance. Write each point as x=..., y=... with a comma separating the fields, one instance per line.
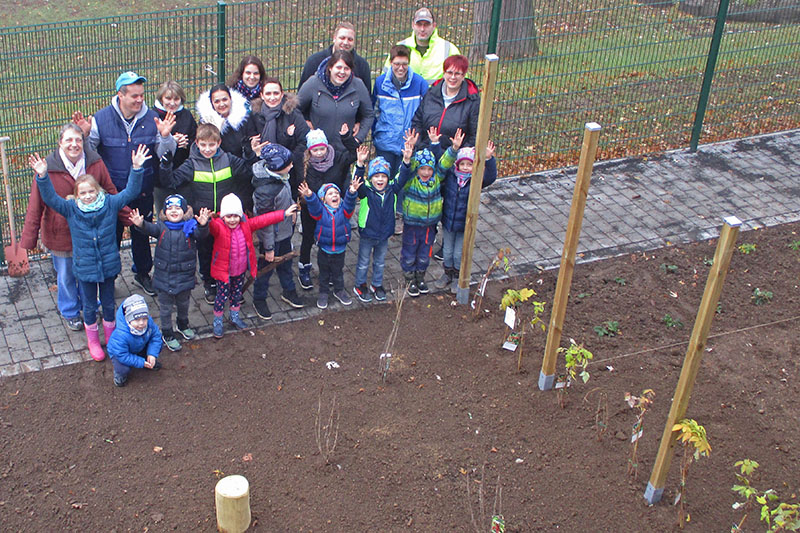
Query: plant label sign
x=637, y=430
x=563, y=384
x=510, y=346
x=511, y=317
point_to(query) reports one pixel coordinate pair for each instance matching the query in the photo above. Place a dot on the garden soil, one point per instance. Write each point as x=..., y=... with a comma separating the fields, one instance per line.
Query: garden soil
x=453, y=421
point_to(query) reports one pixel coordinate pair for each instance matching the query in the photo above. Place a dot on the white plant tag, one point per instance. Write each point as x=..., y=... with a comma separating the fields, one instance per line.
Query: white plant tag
x=636, y=436
x=510, y=346
x=511, y=317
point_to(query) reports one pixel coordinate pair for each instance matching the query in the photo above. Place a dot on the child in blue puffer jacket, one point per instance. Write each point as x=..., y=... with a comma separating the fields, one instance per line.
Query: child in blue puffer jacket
x=136, y=342
x=332, y=215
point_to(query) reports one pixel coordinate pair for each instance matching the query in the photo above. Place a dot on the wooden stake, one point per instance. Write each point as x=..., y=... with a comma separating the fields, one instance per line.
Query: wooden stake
x=232, y=498
x=694, y=355
x=481, y=139
x=588, y=153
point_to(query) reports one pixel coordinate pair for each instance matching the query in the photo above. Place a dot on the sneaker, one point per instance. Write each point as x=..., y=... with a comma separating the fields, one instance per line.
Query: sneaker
x=422, y=286
x=439, y=254
x=237, y=321
x=362, y=293
x=304, y=275
x=210, y=292
x=143, y=281
x=262, y=309
x=291, y=298
x=219, y=329
x=119, y=381
x=322, y=300
x=412, y=289
x=75, y=323
x=343, y=297
x=379, y=292
x=187, y=333
x=172, y=343
x=445, y=281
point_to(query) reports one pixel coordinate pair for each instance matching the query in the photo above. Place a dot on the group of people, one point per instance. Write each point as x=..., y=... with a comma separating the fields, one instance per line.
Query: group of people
x=227, y=187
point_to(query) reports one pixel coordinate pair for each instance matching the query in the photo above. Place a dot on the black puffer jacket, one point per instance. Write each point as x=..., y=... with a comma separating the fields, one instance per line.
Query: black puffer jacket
x=462, y=113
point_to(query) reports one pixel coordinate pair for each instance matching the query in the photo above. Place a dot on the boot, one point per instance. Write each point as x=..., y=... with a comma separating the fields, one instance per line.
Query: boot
x=237, y=320
x=219, y=329
x=93, y=339
x=421, y=285
x=446, y=279
x=304, y=275
x=108, y=329
x=454, y=285
x=411, y=284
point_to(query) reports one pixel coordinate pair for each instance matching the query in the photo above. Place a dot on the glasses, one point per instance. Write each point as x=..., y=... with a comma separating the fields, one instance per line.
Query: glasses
x=399, y=65
x=453, y=73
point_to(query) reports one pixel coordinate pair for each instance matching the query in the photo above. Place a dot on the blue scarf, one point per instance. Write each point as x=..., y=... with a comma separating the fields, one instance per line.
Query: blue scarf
x=98, y=203
x=188, y=226
x=246, y=91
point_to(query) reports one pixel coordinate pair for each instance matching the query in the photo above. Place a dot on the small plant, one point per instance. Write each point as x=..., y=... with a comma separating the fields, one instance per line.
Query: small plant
x=794, y=245
x=501, y=259
x=692, y=436
x=747, y=248
x=326, y=434
x=583, y=295
x=576, y=359
x=620, y=281
x=386, y=356
x=609, y=328
x=600, y=412
x=514, y=298
x=783, y=517
x=642, y=403
x=671, y=322
x=761, y=297
x=668, y=269
x=719, y=308
x=708, y=261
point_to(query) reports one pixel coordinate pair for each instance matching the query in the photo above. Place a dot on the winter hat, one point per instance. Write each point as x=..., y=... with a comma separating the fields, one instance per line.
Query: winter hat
x=134, y=307
x=322, y=190
x=467, y=153
x=276, y=157
x=379, y=165
x=230, y=205
x=175, y=200
x=316, y=138
x=424, y=158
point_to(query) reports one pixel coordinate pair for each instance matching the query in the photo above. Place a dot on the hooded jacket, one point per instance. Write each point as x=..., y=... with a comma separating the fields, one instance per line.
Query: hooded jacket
x=270, y=193
x=395, y=109
x=377, y=209
x=461, y=113
x=232, y=127
x=221, y=256
x=54, y=228
x=125, y=347
x=455, y=199
x=333, y=227
x=422, y=201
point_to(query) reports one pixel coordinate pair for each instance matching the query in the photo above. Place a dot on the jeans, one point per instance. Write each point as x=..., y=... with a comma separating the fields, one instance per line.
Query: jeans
x=89, y=297
x=69, y=291
x=140, y=243
x=166, y=302
x=394, y=164
x=121, y=370
x=415, y=255
x=377, y=248
x=261, y=285
x=452, y=246
x=331, y=267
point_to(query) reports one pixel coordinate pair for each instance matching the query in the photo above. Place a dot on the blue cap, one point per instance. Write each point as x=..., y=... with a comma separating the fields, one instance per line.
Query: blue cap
x=127, y=78
x=276, y=157
x=322, y=190
x=175, y=200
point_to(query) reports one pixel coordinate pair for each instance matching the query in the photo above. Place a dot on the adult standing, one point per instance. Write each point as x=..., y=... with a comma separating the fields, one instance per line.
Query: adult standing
x=344, y=40
x=334, y=96
x=171, y=98
x=67, y=162
x=428, y=49
x=115, y=132
x=248, y=77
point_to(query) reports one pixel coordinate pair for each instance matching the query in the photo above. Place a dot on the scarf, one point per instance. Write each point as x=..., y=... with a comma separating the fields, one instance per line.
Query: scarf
x=322, y=164
x=98, y=203
x=160, y=106
x=270, y=131
x=335, y=90
x=247, y=91
x=463, y=178
x=136, y=332
x=188, y=226
x=78, y=169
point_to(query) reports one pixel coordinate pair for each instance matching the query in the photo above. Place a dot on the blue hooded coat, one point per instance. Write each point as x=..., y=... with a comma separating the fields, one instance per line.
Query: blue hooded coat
x=125, y=347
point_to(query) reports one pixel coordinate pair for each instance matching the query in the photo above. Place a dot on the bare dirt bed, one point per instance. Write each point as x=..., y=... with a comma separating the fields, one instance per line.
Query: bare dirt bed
x=79, y=454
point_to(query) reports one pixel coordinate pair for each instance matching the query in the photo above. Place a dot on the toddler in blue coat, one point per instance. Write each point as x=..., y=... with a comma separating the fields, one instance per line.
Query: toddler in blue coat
x=136, y=342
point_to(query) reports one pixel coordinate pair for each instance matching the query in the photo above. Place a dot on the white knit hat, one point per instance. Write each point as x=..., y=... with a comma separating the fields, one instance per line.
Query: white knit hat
x=231, y=205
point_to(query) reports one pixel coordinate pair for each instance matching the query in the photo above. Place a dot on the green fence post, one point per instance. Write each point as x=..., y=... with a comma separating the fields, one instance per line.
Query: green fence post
x=708, y=75
x=221, y=32
x=494, y=27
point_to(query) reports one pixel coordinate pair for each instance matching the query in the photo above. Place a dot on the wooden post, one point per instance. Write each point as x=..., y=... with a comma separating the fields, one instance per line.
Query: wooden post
x=694, y=354
x=481, y=139
x=588, y=152
x=232, y=499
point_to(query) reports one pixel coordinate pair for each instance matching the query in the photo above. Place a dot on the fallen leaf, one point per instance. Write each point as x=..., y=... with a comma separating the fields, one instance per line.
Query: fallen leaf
x=247, y=457
x=157, y=449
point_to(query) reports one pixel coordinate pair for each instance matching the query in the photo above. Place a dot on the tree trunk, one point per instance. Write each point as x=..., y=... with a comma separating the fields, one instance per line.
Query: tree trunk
x=517, y=35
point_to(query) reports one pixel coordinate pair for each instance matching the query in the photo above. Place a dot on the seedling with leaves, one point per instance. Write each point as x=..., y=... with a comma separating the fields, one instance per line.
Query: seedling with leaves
x=641, y=403
x=747, y=248
x=620, y=281
x=692, y=436
x=708, y=261
x=761, y=297
x=782, y=517
x=794, y=245
x=525, y=316
x=609, y=328
x=576, y=359
x=501, y=260
x=671, y=322
x=668, y=269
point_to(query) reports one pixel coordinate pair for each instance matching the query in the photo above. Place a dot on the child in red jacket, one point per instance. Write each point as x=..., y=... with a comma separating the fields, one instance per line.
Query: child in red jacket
x=234, y=253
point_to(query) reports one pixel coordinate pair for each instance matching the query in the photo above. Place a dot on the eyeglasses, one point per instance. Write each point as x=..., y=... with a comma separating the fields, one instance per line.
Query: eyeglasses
x=453, y=73
x=399, y=65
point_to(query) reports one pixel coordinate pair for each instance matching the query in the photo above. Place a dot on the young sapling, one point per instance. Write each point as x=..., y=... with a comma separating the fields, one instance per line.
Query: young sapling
x=761, y=297
x=501, y=259
x=747, y=248
x=512, y=304
x=782, y=517
x=794, y=245
x=695, y=444
x=641, y=403
x=576, y=359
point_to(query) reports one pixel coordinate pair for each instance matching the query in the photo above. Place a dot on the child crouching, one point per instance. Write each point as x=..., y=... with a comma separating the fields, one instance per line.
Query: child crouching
x=135, y=342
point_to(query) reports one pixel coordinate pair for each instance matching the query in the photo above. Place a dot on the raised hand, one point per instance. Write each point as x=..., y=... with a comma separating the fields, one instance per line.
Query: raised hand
x=355, y=183
x=136, y=218
x=362, y=154
x=457, y=139
x=165, y=126
x=84, y=123
x=304, y=190
x=202, y=218
x=411, y=135
x=256, y=144
x=434, y=135
x=38, y=164
x=490, y=147
x=141, y=155
x=182, y=139
x=408, y=149
x=344, y=129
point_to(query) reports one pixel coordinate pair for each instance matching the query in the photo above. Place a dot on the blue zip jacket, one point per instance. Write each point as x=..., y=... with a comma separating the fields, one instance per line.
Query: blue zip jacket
x=125, y=347
x=455, y=198
x=394, y=109
x=376, y=214
x=333, y=227
x=95, y=256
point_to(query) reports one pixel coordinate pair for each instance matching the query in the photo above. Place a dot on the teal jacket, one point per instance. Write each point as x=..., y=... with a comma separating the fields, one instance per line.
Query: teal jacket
x=422, y=203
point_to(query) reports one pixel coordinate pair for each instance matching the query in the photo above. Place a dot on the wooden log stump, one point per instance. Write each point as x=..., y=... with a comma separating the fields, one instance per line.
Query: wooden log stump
x=232, y=498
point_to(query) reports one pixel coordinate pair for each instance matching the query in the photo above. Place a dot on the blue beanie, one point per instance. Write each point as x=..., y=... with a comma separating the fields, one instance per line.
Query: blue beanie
x=424, y=158
x=322, y=190
x=175, y=199
x=379, y=165
x=276, y=157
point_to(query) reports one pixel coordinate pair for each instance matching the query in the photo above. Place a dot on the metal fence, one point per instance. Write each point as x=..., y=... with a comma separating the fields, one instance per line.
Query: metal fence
x=637, y=68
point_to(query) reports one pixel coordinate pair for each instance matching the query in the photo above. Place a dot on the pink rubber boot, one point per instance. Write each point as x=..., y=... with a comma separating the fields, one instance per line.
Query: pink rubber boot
x=93, y=338
x=108, y=329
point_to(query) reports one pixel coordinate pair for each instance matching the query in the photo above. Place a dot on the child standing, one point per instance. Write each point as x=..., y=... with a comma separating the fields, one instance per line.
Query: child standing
x=321, y=163
x=136, y=343
x=376, y=221
x=271, y=192
x=234, y=252
x=92, y=218
x=455, y=195
x=175, y=262
x=332, y=217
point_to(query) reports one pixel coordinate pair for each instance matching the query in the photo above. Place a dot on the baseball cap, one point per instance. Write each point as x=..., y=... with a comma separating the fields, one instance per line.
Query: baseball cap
x=421, y=14
x=127, y=78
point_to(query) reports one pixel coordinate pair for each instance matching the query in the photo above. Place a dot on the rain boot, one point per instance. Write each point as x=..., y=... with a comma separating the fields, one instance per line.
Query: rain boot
x=237, y=320
x=93, y=339
x=108, y=329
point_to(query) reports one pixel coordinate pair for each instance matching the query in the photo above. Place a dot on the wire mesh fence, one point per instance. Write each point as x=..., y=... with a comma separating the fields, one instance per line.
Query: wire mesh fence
x=634, y=67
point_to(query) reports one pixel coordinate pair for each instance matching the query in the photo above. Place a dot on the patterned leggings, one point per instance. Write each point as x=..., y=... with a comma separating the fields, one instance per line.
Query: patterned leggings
x=232, y=290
